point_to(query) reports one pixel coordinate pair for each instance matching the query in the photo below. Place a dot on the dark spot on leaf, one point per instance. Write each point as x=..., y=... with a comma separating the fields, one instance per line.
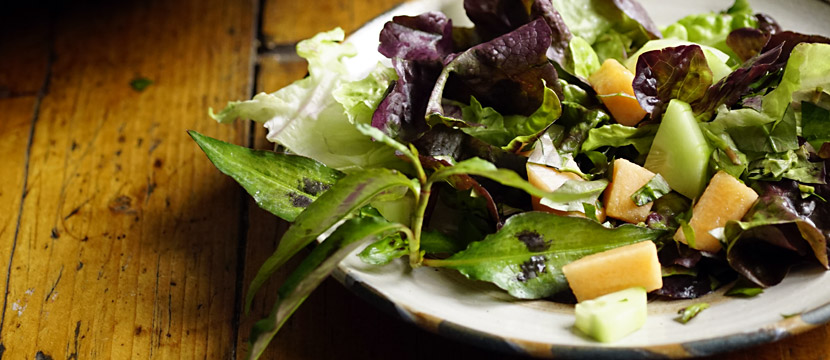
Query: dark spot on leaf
x=298, y=200
x=55, y=234
x=140, y=83
x=533, y=240
x=314, y=187
x=532, y=268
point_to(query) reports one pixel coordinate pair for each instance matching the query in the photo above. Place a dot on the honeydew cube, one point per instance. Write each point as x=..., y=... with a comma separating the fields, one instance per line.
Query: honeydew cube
x=613, y=83
x=613, y=316
x=614, y=270
x=724, y=199
x=549, y=179
x=626, y=179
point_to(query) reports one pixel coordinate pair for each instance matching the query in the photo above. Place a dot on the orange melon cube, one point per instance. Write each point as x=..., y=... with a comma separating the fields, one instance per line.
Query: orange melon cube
x=549, y=179
x=614, y=270
x=724, y=199
x=626, y=179
x=613, y=82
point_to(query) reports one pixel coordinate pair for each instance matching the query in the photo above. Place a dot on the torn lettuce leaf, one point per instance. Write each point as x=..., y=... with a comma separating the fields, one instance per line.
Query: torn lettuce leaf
x=306, y=118
x=617, y=135
x=711, y=29
x=489, y=125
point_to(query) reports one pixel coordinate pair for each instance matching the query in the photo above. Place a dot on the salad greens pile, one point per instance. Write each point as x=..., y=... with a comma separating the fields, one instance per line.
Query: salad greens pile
x=427, y=159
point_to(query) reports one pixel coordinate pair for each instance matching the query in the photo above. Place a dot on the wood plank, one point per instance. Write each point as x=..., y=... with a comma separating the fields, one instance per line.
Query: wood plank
x=14, y=130
x=128, y=238
x=287, y=22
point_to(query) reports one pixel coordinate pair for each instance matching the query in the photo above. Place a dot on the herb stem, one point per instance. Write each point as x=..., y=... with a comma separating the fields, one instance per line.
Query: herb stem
x=415, y=257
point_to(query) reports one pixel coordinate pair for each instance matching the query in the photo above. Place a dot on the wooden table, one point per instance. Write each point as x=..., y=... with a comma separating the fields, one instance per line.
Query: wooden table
x=118, y=238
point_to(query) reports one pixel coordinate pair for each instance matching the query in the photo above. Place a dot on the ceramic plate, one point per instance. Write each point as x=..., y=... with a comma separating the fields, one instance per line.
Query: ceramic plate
x=449, y=304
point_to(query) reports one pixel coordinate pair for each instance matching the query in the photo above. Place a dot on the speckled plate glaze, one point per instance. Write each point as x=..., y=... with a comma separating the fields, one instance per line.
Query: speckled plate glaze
x=445, y=302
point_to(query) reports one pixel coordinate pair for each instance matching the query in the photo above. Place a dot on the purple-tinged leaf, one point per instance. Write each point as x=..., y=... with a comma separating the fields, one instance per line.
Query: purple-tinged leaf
x=671, y=73
x=788, y=40
x=401, y=114
x=508, y=73
x=767, y=24
x=426, y=37
x=494, y=18
x=559, y=50
x=747, y=42
x=636, y=12
x=729, y=90
x=782, y=229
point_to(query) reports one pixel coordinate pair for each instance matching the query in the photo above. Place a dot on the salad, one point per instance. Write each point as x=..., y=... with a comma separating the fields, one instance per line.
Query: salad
x=569, y=150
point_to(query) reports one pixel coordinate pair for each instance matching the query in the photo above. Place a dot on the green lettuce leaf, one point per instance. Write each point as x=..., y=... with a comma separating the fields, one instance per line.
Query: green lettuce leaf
x=711, y=29
x=526, y=256
x=807, y=71
x=815, y=124
x=496, y=129
x=652, y=190
x=282, y=184
x=617, y=135
x=306, y=118
x=360, y=98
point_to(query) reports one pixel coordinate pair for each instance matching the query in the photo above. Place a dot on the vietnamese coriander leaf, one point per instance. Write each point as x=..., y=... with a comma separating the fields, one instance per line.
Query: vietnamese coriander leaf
x=344, y=198
x=652, y=190
x=280, y=183
x=313, y=270
x=689, y=312
x=385, y=250
x=526, y=256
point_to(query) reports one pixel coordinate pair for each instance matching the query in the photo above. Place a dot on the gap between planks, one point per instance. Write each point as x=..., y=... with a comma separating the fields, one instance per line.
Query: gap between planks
x=41, y=93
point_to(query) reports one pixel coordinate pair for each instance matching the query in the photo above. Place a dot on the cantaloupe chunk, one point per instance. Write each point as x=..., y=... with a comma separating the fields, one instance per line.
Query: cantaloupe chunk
x=724, y=199
x=626, y=179
x=549, y=179
x=614, y=270
x=614, y=79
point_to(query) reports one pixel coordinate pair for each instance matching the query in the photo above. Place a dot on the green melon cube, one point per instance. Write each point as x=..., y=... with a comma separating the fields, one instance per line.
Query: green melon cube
x=613, y=316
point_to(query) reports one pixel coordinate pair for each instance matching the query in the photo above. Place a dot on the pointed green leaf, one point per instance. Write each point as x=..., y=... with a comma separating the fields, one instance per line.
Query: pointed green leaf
x=282, y=184
x=526, y=256
x=313, y=270
x=339, y=202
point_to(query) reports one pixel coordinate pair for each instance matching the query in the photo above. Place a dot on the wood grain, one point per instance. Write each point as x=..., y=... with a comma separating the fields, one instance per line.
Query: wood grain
x=127, y=241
